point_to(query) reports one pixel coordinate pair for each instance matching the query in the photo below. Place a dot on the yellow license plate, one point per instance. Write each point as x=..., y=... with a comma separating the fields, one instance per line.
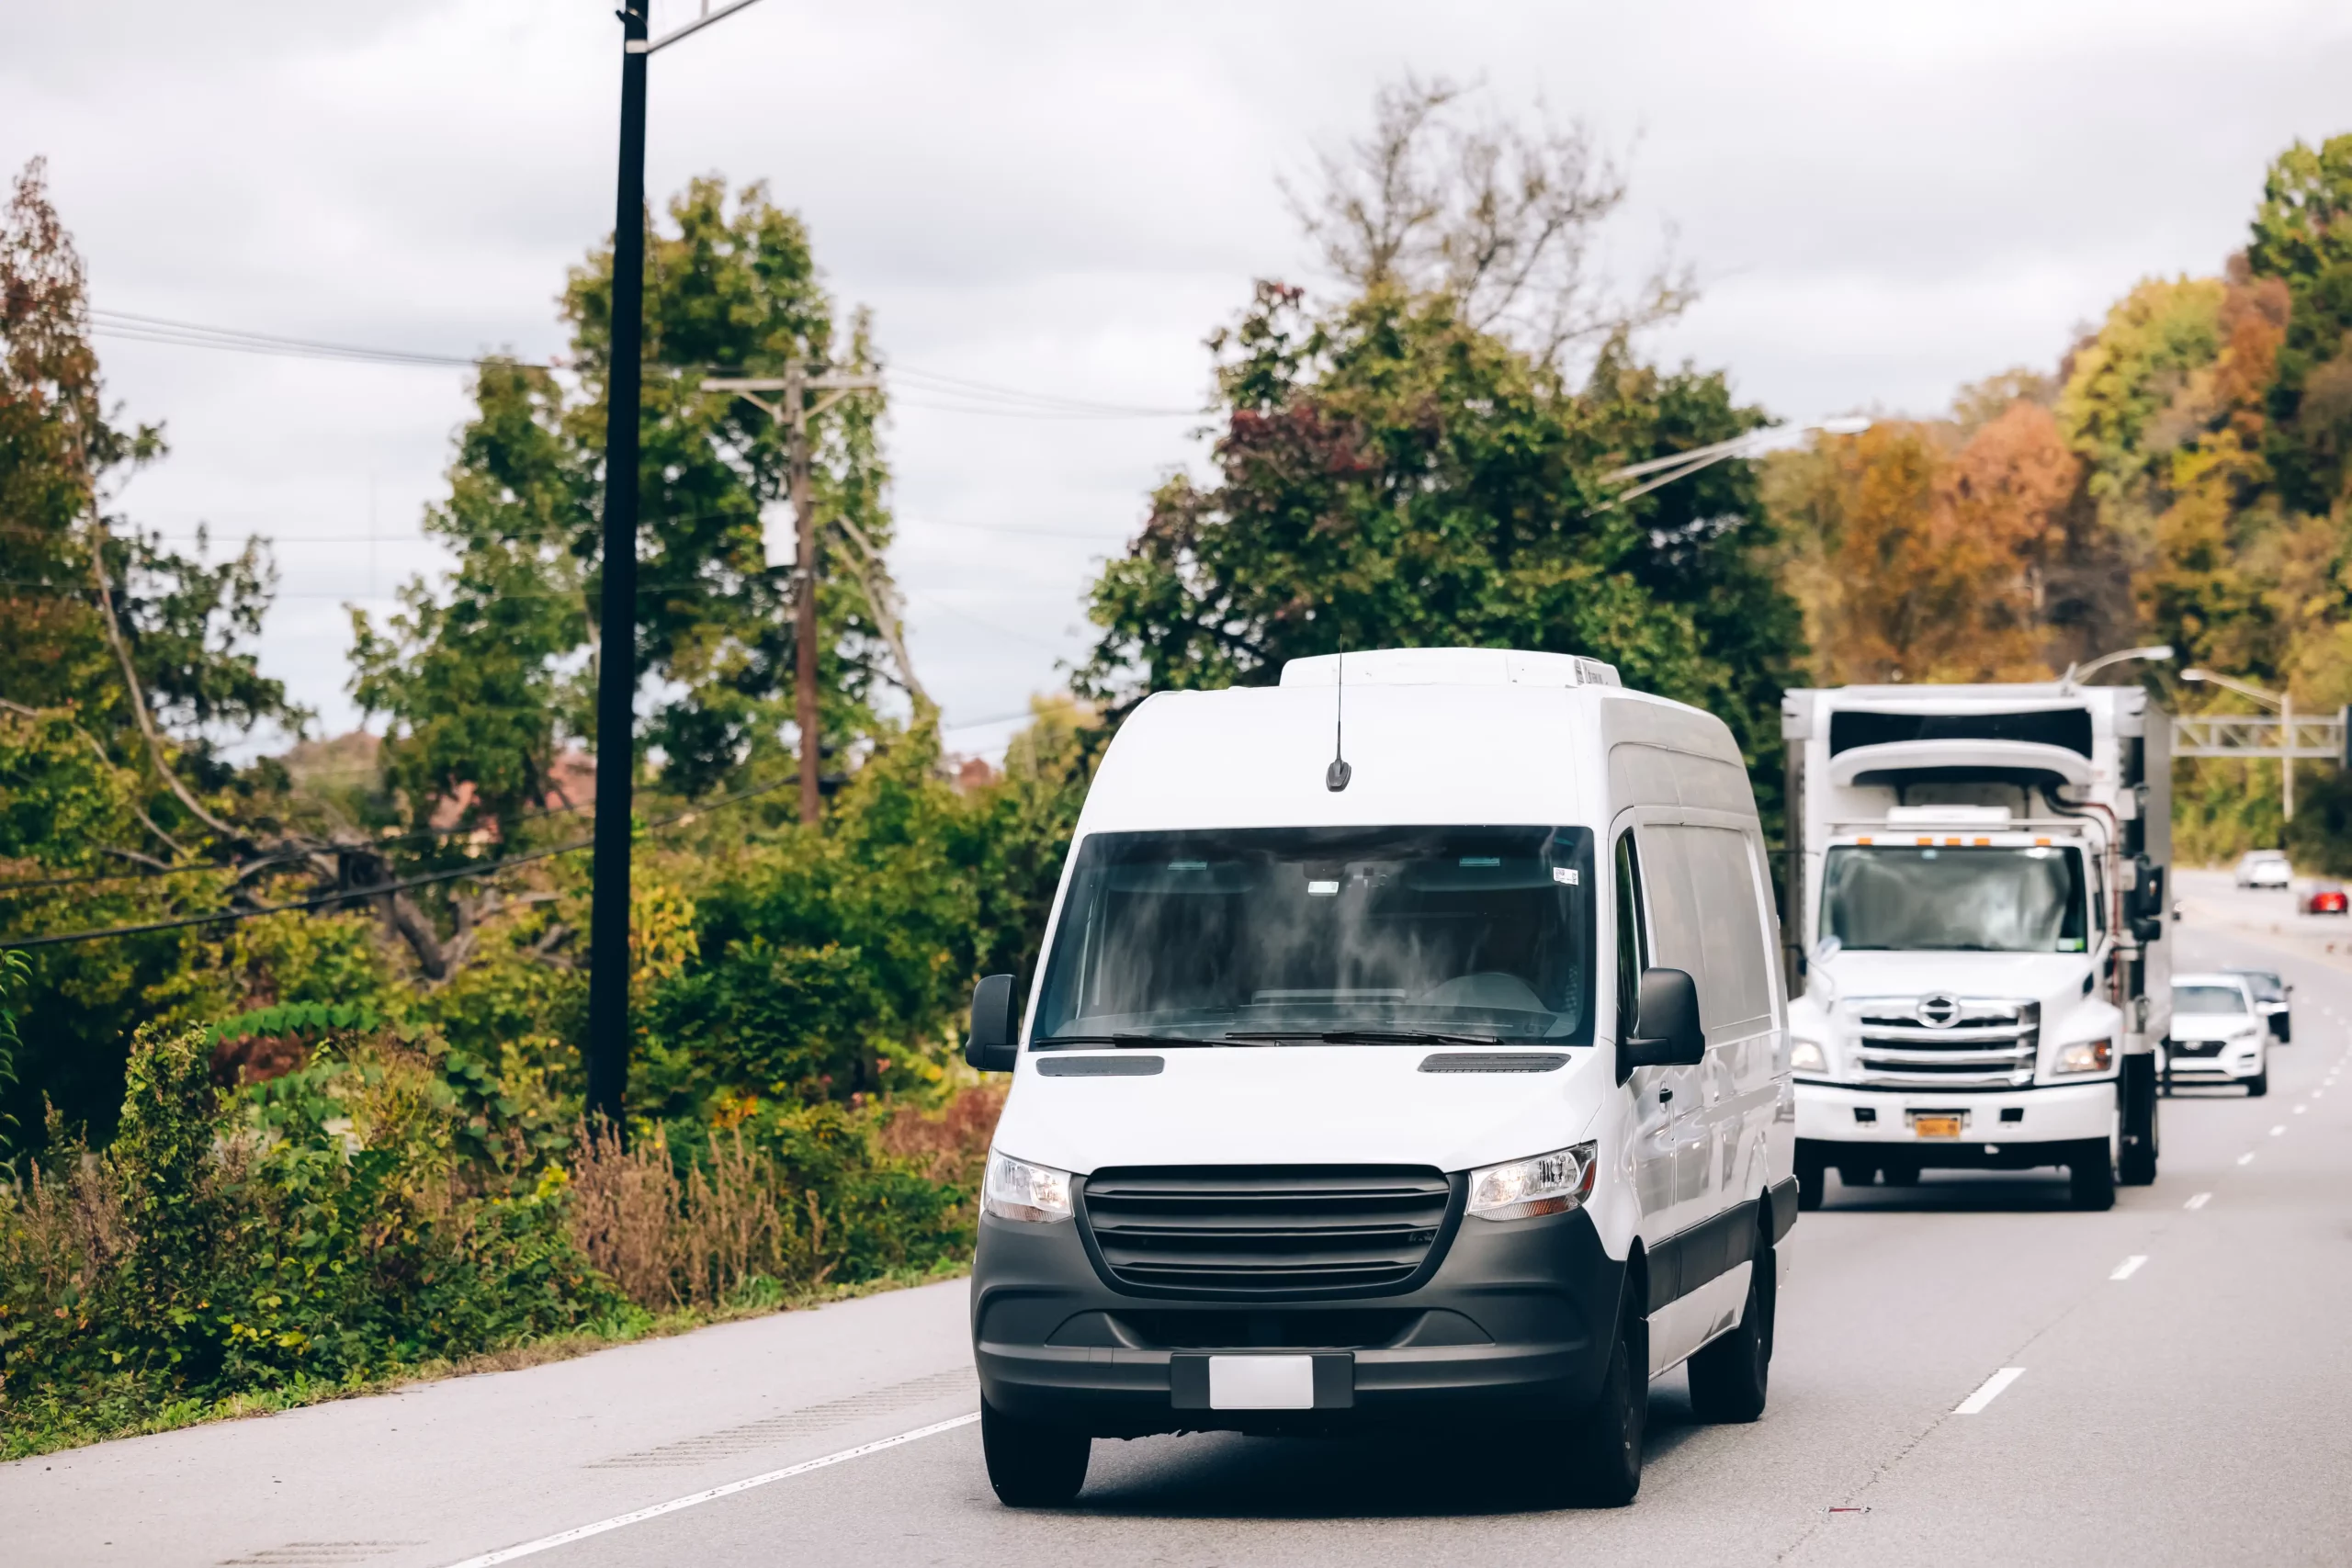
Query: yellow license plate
x=1936, y=1126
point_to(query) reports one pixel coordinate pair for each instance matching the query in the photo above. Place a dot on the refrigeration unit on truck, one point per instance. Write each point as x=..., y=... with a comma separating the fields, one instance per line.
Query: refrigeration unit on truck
x=1976, y=886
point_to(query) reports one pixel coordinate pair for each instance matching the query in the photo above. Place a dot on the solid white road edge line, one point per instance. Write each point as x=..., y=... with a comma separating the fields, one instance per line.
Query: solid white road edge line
x=2198, y=1202
x=564, y=1538
x=2129, y=1266
x=1988, y=1391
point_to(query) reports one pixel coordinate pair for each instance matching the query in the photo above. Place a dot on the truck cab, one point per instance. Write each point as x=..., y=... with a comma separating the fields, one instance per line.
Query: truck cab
x=1975, y=884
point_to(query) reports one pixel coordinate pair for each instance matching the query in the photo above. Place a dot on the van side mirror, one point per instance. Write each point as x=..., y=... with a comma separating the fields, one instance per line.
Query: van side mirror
x=1665, y=1032
x=994, y=1044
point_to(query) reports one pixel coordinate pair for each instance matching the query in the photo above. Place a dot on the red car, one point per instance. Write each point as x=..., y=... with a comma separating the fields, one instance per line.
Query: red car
x=2327, y=900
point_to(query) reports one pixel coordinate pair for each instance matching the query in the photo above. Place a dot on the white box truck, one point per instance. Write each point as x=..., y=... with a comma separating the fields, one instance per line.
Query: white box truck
x=1975, y=882
x=1438, y=1078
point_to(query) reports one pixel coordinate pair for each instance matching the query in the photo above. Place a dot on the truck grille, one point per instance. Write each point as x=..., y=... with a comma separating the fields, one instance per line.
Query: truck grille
x=1943, y=1042
x=1264, y=1230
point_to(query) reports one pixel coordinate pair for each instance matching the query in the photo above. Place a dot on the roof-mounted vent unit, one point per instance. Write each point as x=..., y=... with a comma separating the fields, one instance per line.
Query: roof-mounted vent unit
x=1451, y=667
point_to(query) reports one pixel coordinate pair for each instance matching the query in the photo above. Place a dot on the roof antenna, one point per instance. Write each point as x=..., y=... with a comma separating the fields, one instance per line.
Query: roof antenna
x=1336, y=776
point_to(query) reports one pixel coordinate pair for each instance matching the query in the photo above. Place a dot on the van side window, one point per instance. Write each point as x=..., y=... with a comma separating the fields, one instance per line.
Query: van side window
x=1633, y=934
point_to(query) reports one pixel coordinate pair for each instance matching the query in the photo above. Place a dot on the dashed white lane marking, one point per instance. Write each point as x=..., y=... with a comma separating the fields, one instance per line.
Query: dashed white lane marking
x=2129, y=1266
x=2279, y=1131
x=2246, y=1158
x=1988, y=1391
x=2300, y=1109
x=582, y=1532
x=2198, y=1202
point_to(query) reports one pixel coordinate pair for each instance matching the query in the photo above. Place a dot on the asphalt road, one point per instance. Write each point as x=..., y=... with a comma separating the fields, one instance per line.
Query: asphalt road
x=2184, y=1408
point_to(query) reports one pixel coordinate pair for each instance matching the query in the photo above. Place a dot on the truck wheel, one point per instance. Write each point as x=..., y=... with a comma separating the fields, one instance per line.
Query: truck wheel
x=1812, y=1175
x=2258, y=1084
x=2141, y=1143
x=2092, y=1176
x=1728, y=1378
x=1030, y=1464
x=1604, y=1443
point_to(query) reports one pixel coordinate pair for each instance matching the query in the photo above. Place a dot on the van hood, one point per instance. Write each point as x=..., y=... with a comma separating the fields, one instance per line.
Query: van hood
x=2053, y=979
x=1297, y=1105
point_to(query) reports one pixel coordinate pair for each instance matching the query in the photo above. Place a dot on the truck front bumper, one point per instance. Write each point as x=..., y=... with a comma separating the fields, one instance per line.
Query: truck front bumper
x=2003, y=1130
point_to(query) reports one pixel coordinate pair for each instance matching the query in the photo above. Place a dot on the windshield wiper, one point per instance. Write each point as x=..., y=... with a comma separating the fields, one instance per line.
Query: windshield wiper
x=1122, y=1039
x=1372, y=1037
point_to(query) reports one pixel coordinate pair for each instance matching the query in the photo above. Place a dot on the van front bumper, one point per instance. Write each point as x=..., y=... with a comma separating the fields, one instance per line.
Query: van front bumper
x=1515, y=1323
x=1994, y=1126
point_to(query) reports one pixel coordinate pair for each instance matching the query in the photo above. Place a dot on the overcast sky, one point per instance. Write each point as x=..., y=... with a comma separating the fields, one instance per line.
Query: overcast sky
x=1882, y=200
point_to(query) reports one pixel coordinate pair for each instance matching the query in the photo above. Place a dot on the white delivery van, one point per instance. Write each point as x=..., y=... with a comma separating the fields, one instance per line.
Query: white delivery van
x=1429, y=1070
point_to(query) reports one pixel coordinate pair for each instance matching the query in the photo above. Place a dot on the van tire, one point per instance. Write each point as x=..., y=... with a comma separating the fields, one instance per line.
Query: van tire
x=2092, y=1174
x=1604, y=1441
x=1731, y=1375
x=2258, y=1084
x=1032, y=1465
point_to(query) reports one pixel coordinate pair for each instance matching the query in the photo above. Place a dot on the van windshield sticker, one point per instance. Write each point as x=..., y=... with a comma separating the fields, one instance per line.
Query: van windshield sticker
x=1322, y=889
x=1565, y=875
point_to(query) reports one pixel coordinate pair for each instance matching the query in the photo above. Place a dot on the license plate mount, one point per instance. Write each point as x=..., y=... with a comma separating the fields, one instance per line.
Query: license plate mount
x=1938, y=1124
x=1322, y=1380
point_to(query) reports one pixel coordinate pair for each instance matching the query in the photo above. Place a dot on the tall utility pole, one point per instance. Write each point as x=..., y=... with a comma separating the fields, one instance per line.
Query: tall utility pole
x=795, y=413
x=608, y=1031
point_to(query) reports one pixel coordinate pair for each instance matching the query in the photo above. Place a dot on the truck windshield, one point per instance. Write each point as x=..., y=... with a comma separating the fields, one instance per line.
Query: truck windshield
x=1966, y=899
x=1300, y=935
x=2208, y=999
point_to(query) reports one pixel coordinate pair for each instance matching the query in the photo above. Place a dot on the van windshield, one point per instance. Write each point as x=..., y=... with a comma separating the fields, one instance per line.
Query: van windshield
x=1942, y=899
x=1299, y=935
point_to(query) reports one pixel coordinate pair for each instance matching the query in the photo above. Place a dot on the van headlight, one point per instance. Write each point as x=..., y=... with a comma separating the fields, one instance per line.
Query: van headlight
x=1015, y=1190
x=1523, y=1188
x=2085, y=1056
x=1808, y=1056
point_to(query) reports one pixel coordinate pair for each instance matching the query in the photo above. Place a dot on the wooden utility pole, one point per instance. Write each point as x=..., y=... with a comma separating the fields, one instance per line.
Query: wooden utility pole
x=794, y=412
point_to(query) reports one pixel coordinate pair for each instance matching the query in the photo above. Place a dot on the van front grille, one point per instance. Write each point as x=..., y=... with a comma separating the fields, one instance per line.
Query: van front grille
x=1941, y=1041
x=1266, y=1230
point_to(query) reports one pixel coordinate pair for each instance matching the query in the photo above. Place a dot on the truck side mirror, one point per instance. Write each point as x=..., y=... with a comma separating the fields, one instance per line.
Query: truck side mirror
x=994, y=1044
x=2146, y=909
x=1666, y=1031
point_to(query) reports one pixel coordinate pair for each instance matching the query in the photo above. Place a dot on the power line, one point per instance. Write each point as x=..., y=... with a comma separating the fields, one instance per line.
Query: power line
x=355, y=895
x=967, y=395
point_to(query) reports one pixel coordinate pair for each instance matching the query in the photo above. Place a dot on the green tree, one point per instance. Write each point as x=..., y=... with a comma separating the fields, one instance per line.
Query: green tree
x=487, y=675
x=2303, y=235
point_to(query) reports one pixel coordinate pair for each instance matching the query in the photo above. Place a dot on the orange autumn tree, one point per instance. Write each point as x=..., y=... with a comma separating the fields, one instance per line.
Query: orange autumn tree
x=1920, y=552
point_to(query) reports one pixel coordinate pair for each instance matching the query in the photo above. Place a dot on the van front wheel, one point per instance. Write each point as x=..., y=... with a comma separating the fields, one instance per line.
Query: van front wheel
x=1030, y=1464
x=1604, y=1445
x=1728, y=1377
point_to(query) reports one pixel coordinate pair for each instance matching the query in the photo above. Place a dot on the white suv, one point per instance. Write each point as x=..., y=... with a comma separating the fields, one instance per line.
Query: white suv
x=2220, y=1033
x=2265, y=868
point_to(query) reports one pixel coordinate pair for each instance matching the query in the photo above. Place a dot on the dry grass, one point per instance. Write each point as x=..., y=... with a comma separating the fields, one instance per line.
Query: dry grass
x=669, y=1244
x=951, y=1144
x=65, y=1232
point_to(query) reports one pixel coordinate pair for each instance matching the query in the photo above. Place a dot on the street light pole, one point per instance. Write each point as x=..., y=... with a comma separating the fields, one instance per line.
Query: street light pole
x=608, y=1027
x=616, y=617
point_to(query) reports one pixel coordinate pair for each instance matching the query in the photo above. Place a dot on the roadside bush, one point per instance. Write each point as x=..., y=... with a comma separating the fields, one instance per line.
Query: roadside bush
x=378, y=1204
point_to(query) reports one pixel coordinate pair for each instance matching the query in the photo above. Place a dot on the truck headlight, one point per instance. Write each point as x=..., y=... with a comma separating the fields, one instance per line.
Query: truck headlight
x=1015, y=1190
x=2085, y=1056
x=1523, y=1188
x=1808, y=1056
